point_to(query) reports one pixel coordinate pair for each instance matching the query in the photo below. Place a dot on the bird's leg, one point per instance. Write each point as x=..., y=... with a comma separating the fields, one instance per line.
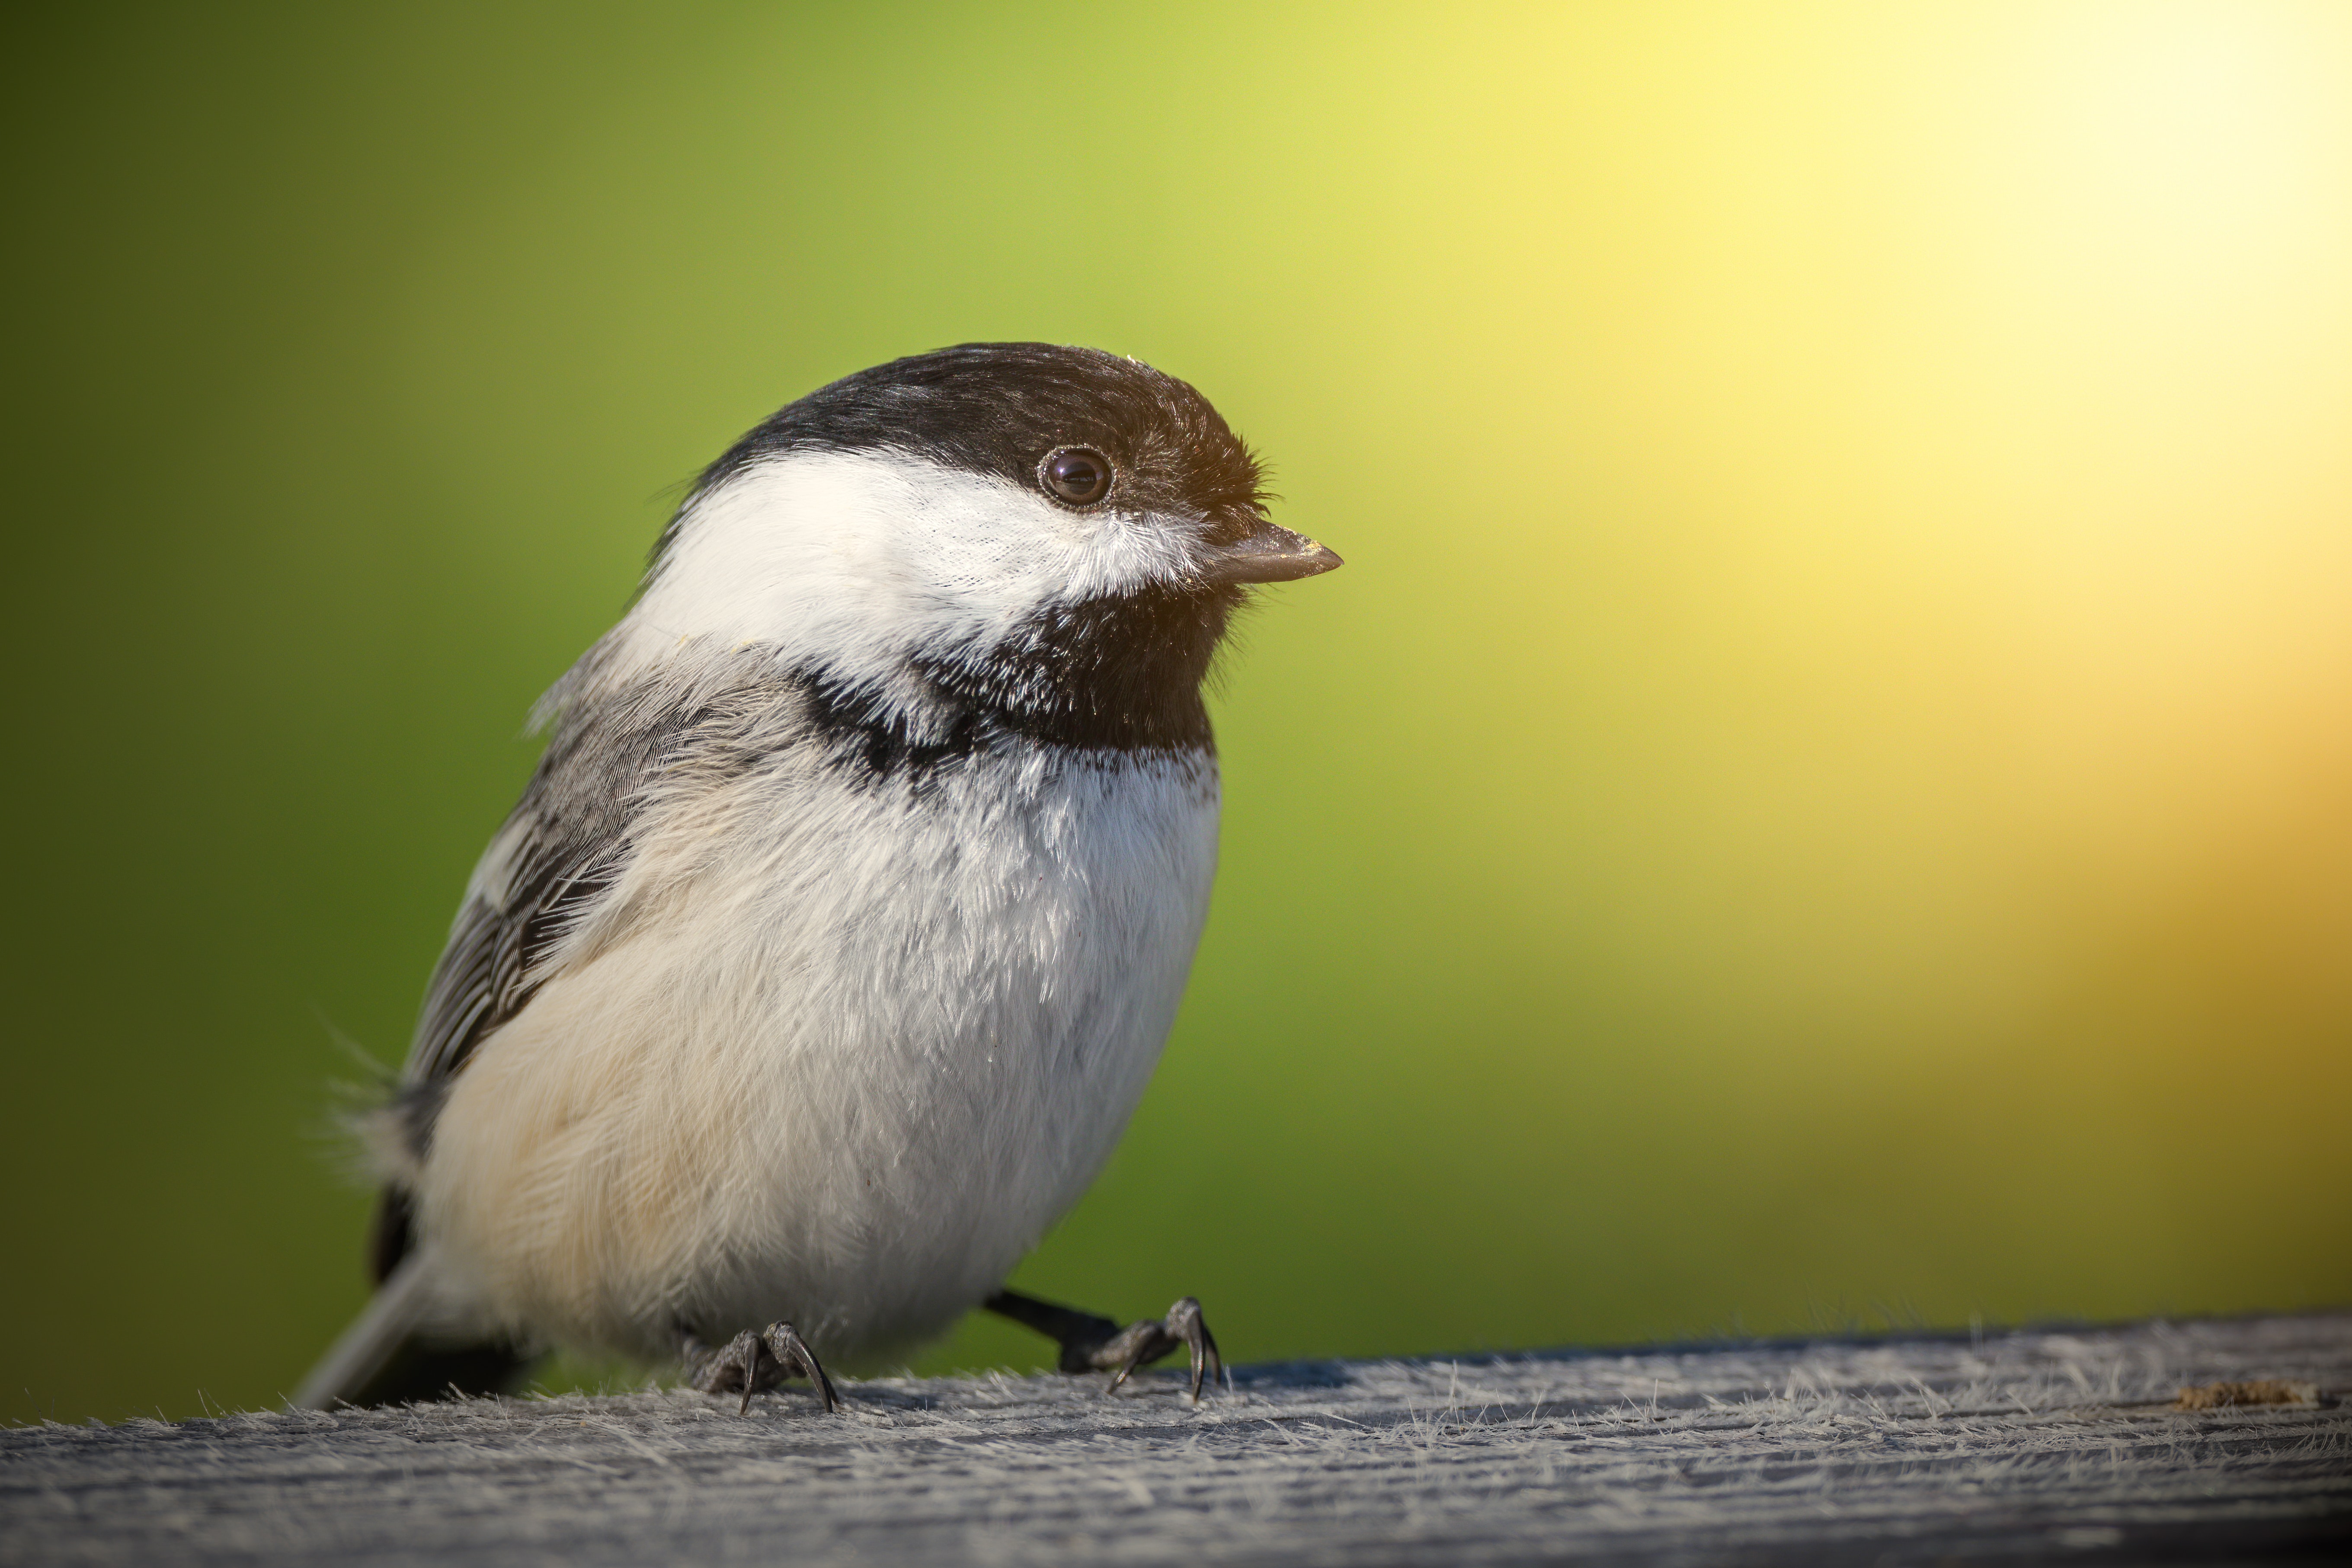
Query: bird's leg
x=1098, y=1344
x=752, y=1363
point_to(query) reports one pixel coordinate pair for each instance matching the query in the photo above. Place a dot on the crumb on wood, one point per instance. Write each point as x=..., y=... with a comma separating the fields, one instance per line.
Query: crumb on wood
x=2267, y=1390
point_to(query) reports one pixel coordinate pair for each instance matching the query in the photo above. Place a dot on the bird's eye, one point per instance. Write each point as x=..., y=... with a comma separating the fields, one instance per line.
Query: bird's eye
x=1079, y=474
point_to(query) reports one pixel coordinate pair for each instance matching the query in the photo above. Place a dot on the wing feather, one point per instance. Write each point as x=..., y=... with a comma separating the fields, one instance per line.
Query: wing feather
x=562, y=849
x=571, y=838
x=565, y=846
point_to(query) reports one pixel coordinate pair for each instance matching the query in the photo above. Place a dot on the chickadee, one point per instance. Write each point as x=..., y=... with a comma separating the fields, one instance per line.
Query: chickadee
x=836, y=935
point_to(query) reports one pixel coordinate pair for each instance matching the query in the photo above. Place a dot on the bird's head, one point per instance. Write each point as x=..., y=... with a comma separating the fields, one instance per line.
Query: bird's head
x=989, y=506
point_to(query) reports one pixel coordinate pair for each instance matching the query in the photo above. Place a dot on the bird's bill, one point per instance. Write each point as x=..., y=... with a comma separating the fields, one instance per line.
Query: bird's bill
x=1267, y=554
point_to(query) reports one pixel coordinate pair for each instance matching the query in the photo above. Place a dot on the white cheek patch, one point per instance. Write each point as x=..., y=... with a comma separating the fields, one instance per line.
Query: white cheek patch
x=854, y=558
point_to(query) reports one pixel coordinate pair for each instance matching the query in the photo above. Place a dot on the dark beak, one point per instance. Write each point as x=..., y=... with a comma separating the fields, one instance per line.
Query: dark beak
x=1266, y=555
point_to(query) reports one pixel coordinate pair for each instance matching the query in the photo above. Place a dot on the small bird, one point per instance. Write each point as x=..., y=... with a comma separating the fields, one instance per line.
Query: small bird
x=845, y=918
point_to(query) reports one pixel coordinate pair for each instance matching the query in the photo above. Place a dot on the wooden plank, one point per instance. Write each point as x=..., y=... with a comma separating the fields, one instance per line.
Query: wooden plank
x=2028, y=1447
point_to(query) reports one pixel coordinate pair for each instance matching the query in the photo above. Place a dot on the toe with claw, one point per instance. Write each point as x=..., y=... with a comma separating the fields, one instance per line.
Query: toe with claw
x=752, y=1363
x=1090, y=1344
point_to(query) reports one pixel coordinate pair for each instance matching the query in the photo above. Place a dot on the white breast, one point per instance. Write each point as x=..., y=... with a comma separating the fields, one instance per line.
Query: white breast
x=845, y=1072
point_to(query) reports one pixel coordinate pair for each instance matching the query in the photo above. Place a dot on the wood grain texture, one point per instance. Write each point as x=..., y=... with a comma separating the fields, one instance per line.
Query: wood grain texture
x=2044, y=1446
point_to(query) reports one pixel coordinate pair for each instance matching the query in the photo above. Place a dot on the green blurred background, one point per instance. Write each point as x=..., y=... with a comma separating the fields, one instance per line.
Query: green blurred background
x=1823, y=796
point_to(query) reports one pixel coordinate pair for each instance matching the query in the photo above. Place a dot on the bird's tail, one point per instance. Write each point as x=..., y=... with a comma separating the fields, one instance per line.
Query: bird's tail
x=390, y=1356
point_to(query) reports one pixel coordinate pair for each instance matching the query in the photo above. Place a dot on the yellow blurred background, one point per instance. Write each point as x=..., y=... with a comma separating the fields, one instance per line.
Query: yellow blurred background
x=1822, y=800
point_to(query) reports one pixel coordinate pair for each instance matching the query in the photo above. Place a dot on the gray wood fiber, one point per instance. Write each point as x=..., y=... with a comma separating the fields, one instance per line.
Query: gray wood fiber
x=2038, y=1446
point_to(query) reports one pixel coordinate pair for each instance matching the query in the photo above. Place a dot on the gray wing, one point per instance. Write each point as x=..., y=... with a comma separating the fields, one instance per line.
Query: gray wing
x=563, y=846
x=568, y=841
x=561, y=849
x=557, y=855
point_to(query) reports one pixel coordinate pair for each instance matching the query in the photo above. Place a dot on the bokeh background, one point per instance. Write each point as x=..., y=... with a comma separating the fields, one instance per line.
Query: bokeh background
x=1822, y=798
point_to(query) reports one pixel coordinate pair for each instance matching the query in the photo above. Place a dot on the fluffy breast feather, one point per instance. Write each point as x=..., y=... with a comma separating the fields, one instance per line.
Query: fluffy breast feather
x=833, y=1048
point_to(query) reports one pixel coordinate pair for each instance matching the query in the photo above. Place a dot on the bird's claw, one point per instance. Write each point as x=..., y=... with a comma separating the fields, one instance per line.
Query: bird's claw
x=1090, y=1344
x=752, y=1362
x=1139, y=1343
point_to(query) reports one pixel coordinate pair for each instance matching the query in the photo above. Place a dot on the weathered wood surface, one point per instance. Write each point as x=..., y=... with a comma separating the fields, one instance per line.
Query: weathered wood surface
x=2042, y=1446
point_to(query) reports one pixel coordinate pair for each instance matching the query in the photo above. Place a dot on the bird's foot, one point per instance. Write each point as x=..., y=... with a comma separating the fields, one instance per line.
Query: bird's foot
x=1139, y=1344
x=751, y=1363
x=1090, y=1344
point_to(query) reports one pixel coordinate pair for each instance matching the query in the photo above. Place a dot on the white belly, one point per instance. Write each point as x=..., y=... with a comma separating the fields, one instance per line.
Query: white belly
x=846, y=1074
